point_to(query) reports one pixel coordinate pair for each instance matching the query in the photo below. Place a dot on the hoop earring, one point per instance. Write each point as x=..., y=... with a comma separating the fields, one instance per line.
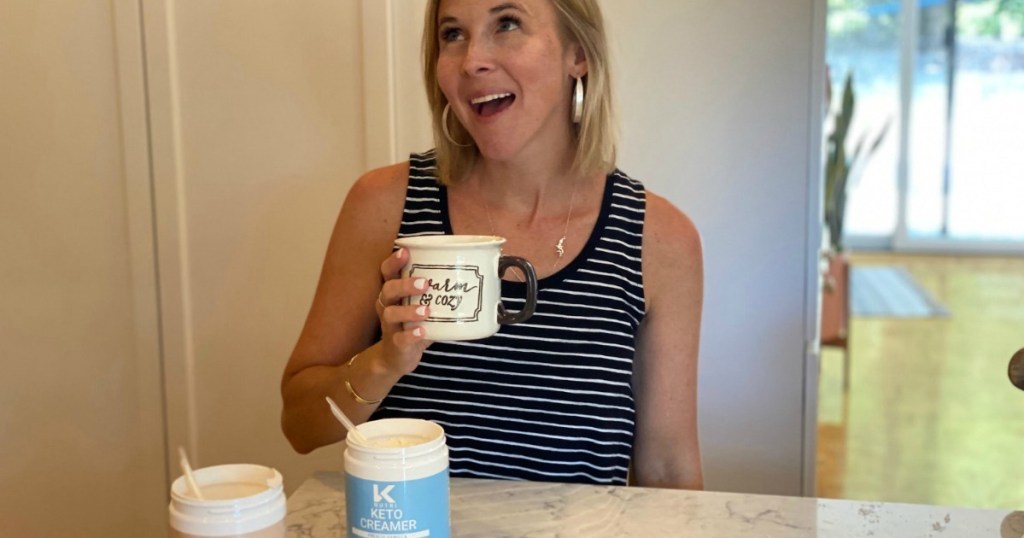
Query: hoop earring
x=444, y=126
x=577, y=102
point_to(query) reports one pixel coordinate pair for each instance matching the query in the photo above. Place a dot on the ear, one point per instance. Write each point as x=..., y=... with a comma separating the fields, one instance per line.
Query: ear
x=578, y=60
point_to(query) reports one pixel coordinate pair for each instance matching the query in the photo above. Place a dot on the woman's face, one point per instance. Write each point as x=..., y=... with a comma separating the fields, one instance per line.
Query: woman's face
x=506, y=73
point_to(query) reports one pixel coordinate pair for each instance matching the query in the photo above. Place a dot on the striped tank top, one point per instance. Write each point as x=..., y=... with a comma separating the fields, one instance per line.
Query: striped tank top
x=549, y=399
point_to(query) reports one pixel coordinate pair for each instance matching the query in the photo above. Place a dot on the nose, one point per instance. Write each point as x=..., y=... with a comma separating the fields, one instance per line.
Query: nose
x=479, y=57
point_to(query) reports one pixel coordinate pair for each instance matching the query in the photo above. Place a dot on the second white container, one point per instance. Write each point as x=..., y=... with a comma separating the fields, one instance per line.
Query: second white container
x=240, y=500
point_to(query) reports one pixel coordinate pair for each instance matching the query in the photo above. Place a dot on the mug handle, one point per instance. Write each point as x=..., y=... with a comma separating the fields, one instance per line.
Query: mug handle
x=508, y=318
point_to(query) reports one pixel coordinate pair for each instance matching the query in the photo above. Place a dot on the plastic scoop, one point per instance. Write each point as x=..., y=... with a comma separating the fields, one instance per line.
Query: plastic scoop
x=189, y=479
x=344, y=420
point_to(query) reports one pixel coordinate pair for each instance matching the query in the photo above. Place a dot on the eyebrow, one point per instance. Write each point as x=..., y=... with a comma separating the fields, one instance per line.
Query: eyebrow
x=507, y=5
x=515, y=6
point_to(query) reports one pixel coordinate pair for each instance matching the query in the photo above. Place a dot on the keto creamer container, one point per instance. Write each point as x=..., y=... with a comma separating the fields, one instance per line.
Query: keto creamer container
x=239, y=500
x=397, y=484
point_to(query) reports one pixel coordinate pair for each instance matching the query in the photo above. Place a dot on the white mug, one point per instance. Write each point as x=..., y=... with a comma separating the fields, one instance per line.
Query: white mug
x=463, y=292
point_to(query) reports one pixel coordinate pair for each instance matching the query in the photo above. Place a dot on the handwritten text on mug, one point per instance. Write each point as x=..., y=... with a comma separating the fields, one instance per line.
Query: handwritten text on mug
x=457, y=289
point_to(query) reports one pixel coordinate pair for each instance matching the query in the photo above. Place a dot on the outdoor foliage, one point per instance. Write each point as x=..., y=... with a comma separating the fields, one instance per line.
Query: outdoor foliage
x=877, y=22
x=997, y=19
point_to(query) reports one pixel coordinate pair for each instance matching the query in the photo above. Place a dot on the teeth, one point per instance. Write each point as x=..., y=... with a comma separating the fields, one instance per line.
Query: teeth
x=486, y=98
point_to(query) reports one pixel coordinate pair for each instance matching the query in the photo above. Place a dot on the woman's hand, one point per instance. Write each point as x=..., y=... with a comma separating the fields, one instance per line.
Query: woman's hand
x=402, y=348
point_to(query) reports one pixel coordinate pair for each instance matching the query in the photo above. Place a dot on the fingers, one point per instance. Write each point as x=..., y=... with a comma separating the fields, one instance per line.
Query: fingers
x=394, y=290
x=403, y=338
x=391, y=267
x=404, y=341
x=398, y=320
x=407, y=339
x=405, y=314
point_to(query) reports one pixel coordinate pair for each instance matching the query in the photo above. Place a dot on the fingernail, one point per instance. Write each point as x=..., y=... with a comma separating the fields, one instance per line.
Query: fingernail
x=399, y=252
x=421, y=311
x=418, y=331
x=420, y=284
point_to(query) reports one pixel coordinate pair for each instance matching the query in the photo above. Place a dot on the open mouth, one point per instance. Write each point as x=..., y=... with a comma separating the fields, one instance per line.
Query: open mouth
x=490, y=105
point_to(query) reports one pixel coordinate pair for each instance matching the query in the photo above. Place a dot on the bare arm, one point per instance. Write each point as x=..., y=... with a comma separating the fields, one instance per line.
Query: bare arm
x=345, y=318
x=666, y=452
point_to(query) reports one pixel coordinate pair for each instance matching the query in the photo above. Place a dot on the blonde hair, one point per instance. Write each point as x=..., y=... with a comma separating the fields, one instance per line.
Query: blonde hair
x=580, y=22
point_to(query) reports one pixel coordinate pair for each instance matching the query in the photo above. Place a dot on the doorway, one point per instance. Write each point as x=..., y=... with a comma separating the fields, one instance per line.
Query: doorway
x=928, y=415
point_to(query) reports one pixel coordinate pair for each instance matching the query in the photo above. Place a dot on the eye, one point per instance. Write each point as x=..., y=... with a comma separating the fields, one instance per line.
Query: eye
x=449, y=34
x=508, y=23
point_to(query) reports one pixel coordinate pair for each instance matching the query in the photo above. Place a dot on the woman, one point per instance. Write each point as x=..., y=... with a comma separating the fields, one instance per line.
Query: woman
x=604, y=374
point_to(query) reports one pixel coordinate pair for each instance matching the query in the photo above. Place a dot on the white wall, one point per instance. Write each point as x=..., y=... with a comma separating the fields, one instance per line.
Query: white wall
x=717, y=107
x=81, y=426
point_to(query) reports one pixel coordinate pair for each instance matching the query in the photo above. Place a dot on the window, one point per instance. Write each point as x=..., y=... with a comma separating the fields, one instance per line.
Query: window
x=962, y=72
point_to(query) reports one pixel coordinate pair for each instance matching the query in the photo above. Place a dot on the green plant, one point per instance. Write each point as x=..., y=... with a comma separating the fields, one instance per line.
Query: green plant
x=842, y=169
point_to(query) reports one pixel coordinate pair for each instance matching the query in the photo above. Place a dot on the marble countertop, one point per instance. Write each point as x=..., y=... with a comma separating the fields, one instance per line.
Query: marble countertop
x=493, y=509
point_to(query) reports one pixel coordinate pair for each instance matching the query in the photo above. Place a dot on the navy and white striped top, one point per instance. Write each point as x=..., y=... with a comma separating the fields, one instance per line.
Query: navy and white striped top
x=550, y=398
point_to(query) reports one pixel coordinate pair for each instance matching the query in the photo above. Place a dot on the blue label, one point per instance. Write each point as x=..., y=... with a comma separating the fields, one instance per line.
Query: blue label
x=403, y=509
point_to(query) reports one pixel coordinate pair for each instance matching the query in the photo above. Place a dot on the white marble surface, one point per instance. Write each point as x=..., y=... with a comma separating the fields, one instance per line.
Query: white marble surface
x=493, y=509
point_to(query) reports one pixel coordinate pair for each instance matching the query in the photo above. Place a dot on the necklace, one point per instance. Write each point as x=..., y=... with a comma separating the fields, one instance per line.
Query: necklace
x=560, y=245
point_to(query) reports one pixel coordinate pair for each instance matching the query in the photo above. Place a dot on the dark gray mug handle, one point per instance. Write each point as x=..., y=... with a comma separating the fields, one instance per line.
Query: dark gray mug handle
x=508, y=318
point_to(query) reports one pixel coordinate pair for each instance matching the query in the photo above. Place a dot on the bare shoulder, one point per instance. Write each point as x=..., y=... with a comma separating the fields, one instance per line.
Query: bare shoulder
x=368, y=223
x=373, y=206
x=381, y=188
x=670, y=238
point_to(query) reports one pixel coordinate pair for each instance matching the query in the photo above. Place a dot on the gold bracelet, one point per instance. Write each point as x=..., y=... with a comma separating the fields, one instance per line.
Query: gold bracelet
x=352, y=391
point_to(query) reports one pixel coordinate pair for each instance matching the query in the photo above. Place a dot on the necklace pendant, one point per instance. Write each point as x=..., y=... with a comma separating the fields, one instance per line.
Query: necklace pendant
x=560, y=247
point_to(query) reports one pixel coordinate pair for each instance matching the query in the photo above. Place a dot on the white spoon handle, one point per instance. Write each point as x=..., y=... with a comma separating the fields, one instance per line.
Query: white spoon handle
x=187, y=469
x=344, y=420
